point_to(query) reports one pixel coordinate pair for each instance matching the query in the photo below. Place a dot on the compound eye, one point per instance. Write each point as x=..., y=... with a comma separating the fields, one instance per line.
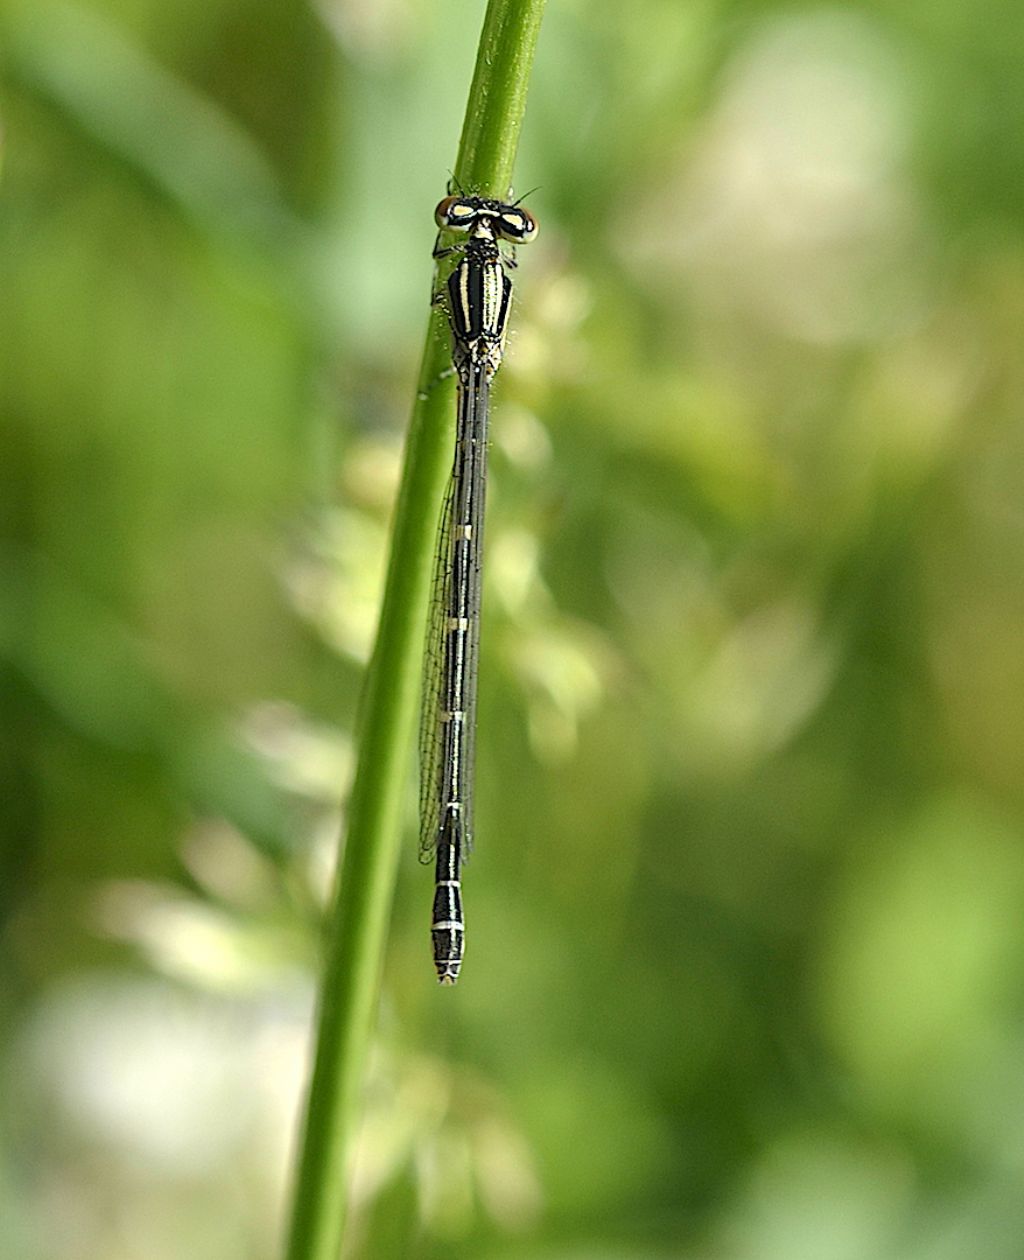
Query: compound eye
x=517, y=224
x=455, y=213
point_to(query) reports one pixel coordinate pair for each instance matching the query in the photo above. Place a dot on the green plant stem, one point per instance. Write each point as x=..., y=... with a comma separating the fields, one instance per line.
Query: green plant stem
x=358, y=924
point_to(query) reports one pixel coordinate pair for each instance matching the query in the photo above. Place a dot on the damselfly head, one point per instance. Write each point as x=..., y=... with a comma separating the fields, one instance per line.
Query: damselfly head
x=464, y=214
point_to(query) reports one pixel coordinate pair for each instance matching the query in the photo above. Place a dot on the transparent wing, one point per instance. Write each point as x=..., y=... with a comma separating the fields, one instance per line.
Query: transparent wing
x=476, y=416
x=450, y=670
x=431, y=733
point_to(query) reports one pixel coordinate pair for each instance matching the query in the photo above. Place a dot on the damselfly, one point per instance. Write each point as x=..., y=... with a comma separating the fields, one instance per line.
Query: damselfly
x=477, y=298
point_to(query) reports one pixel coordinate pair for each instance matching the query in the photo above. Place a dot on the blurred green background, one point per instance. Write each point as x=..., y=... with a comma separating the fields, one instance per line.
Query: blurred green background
x=744, y=974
